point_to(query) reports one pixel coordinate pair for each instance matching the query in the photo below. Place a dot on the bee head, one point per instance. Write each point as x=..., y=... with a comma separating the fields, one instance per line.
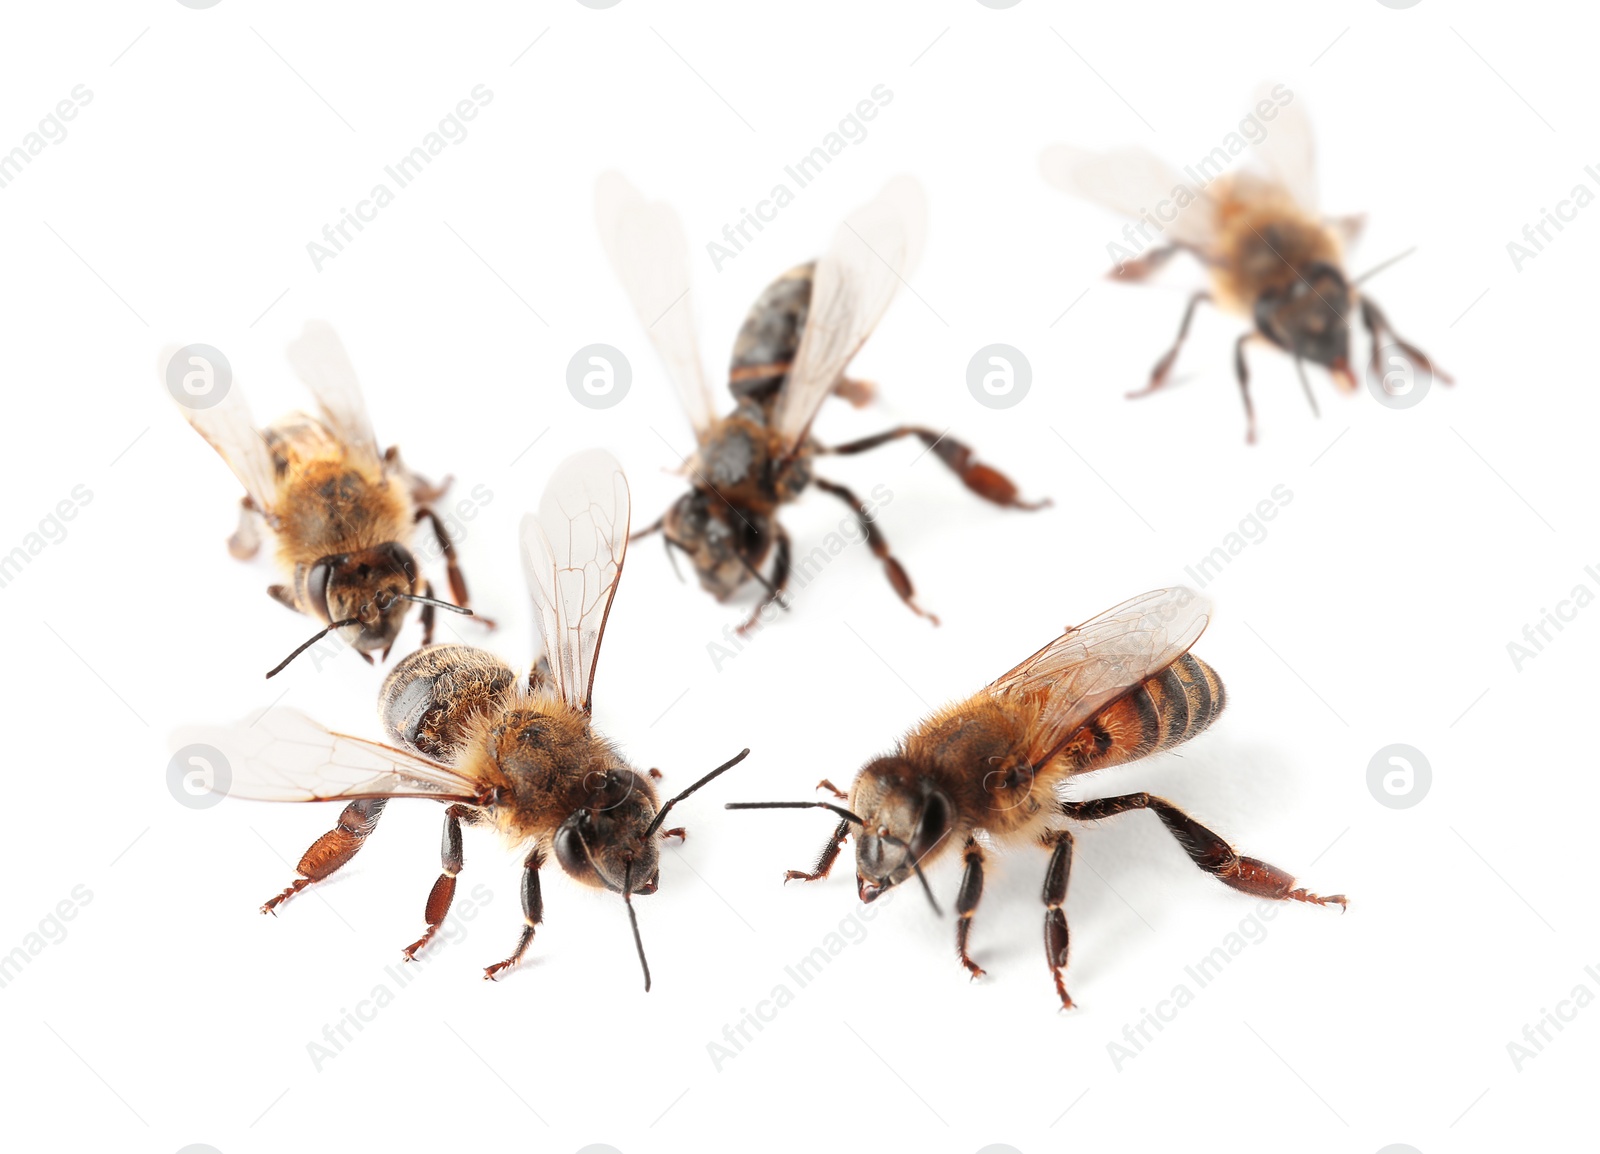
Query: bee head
x=904, y=819
x=608, y=842
x=371, y=588
x=1311, y=319
x=723, y=544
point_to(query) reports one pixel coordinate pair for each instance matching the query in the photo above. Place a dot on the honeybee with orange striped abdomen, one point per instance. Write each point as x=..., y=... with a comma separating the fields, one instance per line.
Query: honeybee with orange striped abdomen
x=342, y=511
x=992, y=769
x=518, y=757
x=1273, y=258
x=789, y=357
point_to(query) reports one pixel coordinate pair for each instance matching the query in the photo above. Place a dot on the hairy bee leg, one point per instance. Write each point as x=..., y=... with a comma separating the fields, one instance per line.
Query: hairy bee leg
x=334, y=848
x=892, y=568
x=1141, y=267
x=825, y=860
x=458, y=580
x=444, y=890
x=779, y=582
x=1163, y=368
x=988, y=483
x=1207, y=850
x=967, y=903
x=1378, y=324
x=532, y=912
x=1056, y=939
x=283, y=595
x=246, y=540
x=1243, y=372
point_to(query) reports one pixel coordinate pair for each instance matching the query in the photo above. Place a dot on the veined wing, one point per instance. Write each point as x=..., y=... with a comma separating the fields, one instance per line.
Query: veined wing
x=1137, y=184
x=286, y=756
x=1091, y=665
x=572, y=553
x=318, y=358
x=645, y=244
x=874, y=250
x=229, y=429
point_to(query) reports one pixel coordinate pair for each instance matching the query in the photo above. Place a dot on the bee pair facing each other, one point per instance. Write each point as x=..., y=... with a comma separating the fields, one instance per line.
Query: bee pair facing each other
x=520, y=756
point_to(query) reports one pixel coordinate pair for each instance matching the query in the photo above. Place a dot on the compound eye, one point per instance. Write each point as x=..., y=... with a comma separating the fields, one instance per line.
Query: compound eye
x=317, y=583
x=932, y=828
x=572, y=853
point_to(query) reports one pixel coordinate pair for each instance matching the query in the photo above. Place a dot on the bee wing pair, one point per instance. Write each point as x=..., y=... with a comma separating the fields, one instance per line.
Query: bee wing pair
x=319, y=359
x=1091, y=665
x=573, y=550
x=1134, y=182
x=872, y=252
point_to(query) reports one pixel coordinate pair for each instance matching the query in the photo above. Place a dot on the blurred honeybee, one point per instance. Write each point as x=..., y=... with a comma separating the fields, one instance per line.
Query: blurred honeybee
x=1273, y=258
x=342, y=510
x=789, y=356
x=993, y=769
x=519, y=757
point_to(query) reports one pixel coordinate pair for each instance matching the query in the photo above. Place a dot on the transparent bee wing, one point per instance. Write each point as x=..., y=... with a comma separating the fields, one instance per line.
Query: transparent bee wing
x=1138, y=184
x=873, y=251
x=1287, y=157
x=229, y=429
x=1091, y=665
x=284, y=755
x=572, y=552
x=318, y=358
x=645, y=243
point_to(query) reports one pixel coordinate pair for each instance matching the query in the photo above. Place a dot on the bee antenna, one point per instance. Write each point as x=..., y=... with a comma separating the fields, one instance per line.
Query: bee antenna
x=435, y=602
x=1376, y=269
x=827, y=805
x=633, y=918
x=1300, y=367
x=721, y=769
x=315, y=637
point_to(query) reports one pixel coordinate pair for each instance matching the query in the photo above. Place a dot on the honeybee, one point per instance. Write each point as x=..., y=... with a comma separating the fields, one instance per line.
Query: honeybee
x=1273, y=258
x=516, y=756
x=342, y=510
x=790, y=355
x=994, y=768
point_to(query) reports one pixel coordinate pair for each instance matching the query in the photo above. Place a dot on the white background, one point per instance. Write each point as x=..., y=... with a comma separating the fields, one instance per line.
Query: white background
x=1377, y=609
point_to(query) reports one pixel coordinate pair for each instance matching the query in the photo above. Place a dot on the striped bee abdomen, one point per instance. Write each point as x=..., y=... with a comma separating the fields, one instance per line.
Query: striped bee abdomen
x=1161, y=712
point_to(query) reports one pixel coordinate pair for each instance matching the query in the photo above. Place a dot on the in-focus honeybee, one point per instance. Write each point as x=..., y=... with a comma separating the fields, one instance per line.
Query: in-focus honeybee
x=342, y=510
x=993, y=768
x=1272, y=256
x=790, y=354
x=518, y=757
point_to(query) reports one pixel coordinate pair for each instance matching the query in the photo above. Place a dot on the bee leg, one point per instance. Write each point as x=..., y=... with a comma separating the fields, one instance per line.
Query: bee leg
x=648, y=529
x=283, y=595
x=1159, y=374
x=1243, y=372
x=676, y=831
x=1055, y=920
x=825, y=860
x=880, y=548
x=1378, y=324
x=334, y=848
x=458, y=580
x=1142, y=267
x=967, y=903
x=831, y=788
x=246, y=540
x=990, y=484
x=423, y=491
x=444, y=890
x=779, y=582
x=1207, y=850
x=532, y=912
